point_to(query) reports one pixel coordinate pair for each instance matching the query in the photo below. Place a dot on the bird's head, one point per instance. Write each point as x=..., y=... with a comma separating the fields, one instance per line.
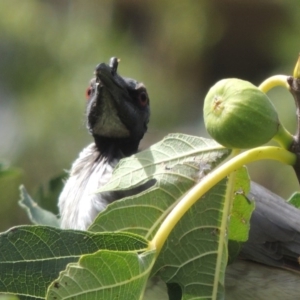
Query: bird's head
x=117, y=109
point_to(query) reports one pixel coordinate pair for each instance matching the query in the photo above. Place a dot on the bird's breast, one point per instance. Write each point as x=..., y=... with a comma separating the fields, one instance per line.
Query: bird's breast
x=78, y=203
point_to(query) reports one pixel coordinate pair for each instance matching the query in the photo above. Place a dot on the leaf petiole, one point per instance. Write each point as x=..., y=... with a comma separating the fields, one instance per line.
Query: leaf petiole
x=274, y=81
x=283, y=136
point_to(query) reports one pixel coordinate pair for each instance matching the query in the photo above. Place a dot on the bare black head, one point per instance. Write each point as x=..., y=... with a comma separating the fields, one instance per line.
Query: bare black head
x=117, y=110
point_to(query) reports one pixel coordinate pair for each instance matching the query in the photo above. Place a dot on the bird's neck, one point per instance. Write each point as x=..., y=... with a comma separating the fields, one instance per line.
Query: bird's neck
x=112, y=147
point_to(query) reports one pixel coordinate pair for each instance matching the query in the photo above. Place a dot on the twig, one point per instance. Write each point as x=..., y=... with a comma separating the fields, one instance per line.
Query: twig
x=294, y=84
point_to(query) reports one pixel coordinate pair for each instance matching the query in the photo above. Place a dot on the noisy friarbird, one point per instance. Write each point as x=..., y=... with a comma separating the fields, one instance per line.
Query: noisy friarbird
x=117, y=116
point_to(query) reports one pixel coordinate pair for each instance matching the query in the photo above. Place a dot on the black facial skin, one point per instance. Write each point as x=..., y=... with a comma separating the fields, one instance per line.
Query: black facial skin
x=117, y=110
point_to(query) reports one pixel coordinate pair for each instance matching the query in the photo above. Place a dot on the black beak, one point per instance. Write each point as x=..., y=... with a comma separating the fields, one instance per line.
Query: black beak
x=107, y=77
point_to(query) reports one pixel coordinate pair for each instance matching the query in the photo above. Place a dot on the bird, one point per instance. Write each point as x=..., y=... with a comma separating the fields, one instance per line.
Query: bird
x=117, y=114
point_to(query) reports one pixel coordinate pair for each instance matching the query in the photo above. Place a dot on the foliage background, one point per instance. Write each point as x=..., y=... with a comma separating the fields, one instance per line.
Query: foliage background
x=49, y=48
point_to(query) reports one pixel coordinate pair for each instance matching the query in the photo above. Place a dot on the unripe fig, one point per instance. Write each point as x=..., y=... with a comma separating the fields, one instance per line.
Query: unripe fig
x=238, y=115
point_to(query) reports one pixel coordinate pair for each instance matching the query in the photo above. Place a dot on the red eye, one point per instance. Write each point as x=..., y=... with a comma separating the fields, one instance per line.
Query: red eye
x=88, y=92
x=143, y=99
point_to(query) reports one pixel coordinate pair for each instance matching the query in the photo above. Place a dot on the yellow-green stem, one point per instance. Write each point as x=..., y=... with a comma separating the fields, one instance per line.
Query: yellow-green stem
x=274, y=81
x=194, y=194
x=283, y=137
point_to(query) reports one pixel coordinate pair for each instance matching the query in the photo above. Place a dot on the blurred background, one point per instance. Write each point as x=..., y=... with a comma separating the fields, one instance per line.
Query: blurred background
x=49, y=49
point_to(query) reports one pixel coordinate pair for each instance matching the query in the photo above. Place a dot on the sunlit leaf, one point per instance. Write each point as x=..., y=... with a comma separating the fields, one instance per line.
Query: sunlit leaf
x=196, y=248
x=168, y=161
x=242, y=209
x=176, y=163
x=104, y=275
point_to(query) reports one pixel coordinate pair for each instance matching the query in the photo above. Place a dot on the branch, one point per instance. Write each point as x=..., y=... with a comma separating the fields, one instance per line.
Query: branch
x=294, y=84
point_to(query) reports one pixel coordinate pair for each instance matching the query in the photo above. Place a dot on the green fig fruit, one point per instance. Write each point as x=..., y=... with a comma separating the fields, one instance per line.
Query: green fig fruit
x=239, y=115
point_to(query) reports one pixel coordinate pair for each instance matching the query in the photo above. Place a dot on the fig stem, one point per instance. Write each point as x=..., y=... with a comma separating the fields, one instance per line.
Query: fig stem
x=283, y=137
x=210, y=180
x=274, y=81
x=294, y=87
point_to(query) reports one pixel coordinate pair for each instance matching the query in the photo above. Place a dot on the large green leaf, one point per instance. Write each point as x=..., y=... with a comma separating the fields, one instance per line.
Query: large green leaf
x=191, y=253
x=168, y=162
x=176, y=164
x=194, y=256
x=193, y=248
x=31, y=257
x=104, y=275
